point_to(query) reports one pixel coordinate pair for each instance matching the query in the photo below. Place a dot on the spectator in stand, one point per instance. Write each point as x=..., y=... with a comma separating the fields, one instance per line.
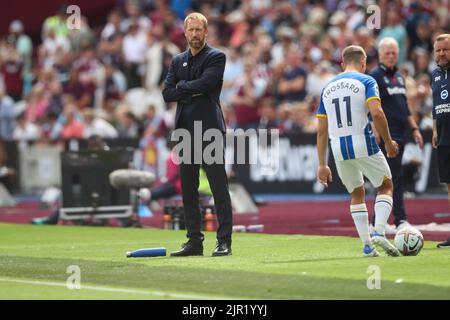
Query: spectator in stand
x=135, y=16
x=268, y=119
x=159, y=12
x=114, y=88
x=318, y=78
x=11, y=66
x=411, y=91
x=395, y=29
x=73, y=127
x=81, y=37
x=158, y=57
x=58, y=23
x=364, y=38
x=292, y=86
x=127, y=125
x=96, y=126
x=339, y=33
x=25, y=130
x=47, y=126
x=110, y=42
x=74, y=87
x=245, y=101
x=46, y=77
x=423, y=33
x=285, y=44
x=303, y=121
x=63, y=67
x=81, y=87
x=55, y=100
x=52, y=46
x=285, y=115
x=421, y=60
x=7, y=116
x=154, y=125
x=133, y=48
x=88, y=67
x=37, y=104
x=24, y=48
x=233, y=70
x=424, y=99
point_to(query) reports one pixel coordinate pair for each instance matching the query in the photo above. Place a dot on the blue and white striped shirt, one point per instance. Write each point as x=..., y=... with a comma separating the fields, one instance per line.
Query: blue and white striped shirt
x=344, y=103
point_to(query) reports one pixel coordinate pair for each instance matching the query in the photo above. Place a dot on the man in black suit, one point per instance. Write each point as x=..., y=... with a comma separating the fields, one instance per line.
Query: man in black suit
x=194, y=80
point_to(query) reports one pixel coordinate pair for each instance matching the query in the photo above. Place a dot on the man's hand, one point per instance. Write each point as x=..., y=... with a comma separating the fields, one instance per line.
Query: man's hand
x=324, y=175
x=418, y=138
x=391, y=149
x=434, y=140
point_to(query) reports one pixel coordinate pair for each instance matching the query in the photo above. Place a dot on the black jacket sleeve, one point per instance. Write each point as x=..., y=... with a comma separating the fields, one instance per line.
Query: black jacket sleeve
x=170, y=92
x=210, y=78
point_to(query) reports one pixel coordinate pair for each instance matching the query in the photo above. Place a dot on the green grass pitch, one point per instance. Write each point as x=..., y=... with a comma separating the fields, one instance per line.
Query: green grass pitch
x=34, y=262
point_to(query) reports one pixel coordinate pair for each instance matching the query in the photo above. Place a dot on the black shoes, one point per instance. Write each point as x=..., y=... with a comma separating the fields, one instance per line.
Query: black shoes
x=444, y=245
x=189, y=248
x=222, y=249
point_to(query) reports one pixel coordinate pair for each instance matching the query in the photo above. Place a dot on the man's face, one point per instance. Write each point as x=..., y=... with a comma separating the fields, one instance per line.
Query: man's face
x=442, y=52
x=389, y=55
x=195, y=33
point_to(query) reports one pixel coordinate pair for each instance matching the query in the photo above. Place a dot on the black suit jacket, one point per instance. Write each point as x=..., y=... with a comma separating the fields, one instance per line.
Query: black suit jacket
x=195, y=82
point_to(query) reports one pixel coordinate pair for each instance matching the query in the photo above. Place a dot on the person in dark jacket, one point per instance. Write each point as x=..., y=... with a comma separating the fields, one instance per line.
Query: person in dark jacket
x=394, y=104
x=194, y=81
x=440, y=85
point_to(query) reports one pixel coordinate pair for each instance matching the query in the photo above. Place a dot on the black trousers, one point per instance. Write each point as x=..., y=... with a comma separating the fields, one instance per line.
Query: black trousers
x=395, y=164
x=218, y=181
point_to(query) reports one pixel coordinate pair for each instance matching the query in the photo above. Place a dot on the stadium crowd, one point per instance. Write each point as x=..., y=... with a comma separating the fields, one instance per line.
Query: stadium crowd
x=107, y=80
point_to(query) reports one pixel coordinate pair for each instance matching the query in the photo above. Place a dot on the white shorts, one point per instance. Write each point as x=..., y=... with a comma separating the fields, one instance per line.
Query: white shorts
x=374, y=167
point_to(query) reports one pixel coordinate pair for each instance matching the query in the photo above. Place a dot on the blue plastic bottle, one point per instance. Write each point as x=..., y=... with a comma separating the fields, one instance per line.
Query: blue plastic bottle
x=147, y=252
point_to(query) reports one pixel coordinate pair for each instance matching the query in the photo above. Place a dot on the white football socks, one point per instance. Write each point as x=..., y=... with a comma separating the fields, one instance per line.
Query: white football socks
x=383, y=207
x=361, y=219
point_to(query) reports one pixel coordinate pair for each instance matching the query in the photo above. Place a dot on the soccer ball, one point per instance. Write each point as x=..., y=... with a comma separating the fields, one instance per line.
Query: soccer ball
x=409, y=241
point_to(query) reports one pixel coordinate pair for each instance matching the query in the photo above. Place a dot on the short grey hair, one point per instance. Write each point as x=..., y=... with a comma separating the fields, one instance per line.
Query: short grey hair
x=386, y=42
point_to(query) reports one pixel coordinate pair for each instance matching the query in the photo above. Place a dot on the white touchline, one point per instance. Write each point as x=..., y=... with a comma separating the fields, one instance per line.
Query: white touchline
x=123, y=290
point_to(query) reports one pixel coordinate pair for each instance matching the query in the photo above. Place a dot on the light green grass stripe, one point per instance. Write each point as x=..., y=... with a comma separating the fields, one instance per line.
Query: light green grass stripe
x=168, y=295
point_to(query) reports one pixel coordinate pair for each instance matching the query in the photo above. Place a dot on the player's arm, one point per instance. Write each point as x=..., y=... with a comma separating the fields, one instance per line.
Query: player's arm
x=415, y=131
x=434, y=140
x=375, y=133
x=381, y=124
x=323, y=172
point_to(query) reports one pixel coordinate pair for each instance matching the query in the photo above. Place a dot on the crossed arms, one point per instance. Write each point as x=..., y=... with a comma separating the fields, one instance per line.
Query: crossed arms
x=181, y=91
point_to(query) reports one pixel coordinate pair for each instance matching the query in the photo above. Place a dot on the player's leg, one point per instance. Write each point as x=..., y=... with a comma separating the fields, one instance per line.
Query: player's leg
x=353, y=181
x=383, y=205
x=376, y=169
x=396, y=168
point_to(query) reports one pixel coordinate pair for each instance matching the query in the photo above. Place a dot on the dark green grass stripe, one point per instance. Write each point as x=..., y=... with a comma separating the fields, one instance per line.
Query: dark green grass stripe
x=230, y=283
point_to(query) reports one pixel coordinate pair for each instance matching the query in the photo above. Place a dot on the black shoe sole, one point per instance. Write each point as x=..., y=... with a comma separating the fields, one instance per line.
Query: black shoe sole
x=221, y=254
x=187, y=255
